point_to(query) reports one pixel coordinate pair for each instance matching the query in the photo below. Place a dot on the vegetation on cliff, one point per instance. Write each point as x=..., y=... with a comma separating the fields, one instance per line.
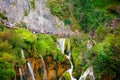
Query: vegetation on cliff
x=103, y=56
x=34, y=46
x=99, y=24
x=90, y=14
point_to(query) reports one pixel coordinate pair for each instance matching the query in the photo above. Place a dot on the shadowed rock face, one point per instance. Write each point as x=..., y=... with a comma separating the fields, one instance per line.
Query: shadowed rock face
x=54, y=69
x=36, y=66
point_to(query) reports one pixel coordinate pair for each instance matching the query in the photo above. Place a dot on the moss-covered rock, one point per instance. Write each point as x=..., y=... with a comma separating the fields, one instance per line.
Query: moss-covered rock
x=66, y=76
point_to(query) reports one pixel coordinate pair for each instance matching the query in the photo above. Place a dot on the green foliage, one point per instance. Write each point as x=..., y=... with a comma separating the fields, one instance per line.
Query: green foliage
x=66, y=76
x=101, y=32
x=2, y=16
x=6, y=71
x=67, y=22
x=1, y=27
x=8, y=57
x=5, y=46
x=64, y=11
x=105, y=56
x=26, y=12
x=104, y=3
x=88, y=15
x=67, y=46
x=79, y=53
x=115, y=42
x=10, y=51
x=60, y=9
x=60, y=57
x=46, y=46
x=32, y=3
x=25, y=35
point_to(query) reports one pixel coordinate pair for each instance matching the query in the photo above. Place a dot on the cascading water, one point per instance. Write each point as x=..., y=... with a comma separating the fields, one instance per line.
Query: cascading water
x=89, y=73
x=30, y=71
x=44, y=67
x=68, y=56
x=61, y=43
x=22, y=53
x=20, y=71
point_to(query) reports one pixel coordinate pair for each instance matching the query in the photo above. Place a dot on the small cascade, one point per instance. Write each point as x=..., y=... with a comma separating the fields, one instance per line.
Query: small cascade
x=21, y=75
x=89, y=73
x=61, y=43
x=44, y=67
x=22, y=53
x=71, y=69
x=30, y=71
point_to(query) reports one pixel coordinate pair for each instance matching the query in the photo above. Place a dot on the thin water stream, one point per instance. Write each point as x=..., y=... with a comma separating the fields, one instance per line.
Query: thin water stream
x=61, y=43
x=30, y=71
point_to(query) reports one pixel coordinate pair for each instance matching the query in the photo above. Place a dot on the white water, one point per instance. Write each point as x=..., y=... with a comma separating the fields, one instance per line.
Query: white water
x=20, y=71
x=88, y=72
x=44, y=68
x=22, y=53
x=69, y=55
x=30, y=71
x=61, y=43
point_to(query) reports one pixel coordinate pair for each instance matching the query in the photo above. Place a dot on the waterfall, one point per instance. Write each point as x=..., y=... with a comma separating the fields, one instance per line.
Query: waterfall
x=61, y=43
x=22, y=53
x=89, y=71
x=44, y=67
x=30, y=71
x=71, y=69
x=20, y=71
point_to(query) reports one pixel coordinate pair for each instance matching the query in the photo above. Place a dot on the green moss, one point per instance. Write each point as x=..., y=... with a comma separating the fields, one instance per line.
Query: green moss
x=66, y=76
x=79, y=53
x=25, y=35
x=66, y=47
x=60, y=57
x=1, y=27
x=2, y=16
x=26, y=12
x=6, y=69
x=46, y=45
x=60, y=9
x=32, y=3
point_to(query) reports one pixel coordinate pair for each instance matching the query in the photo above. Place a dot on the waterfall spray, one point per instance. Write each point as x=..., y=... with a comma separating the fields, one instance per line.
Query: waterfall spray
x=89, y=71
x=20, y=71
x=31, y=71
x=22, y=53
x=61, y=43
x=44, y=67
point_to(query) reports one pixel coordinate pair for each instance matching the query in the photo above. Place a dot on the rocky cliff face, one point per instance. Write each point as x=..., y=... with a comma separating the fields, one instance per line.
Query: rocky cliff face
x=34, y=13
